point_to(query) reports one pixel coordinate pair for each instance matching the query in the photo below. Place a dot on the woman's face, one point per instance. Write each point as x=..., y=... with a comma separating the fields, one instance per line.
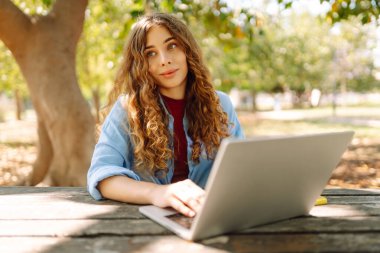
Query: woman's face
x=167, y=62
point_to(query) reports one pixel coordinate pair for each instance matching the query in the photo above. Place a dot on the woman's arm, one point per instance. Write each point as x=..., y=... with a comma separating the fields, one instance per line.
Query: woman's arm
x=184, y=196
x=125, y=189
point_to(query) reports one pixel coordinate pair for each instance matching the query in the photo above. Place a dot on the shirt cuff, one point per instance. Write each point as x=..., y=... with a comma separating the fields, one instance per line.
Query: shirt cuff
x=106, y=172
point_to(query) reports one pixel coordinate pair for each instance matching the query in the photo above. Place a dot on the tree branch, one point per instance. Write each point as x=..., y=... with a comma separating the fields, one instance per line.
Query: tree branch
x=70, y=13
x=14, y=24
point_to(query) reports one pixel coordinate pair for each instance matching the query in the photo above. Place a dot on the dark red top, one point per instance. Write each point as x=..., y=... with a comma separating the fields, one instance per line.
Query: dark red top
x=177, y=110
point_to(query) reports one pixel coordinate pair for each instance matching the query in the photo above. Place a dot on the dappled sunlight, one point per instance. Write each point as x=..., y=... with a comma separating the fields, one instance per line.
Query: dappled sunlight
x=55, y=228
x=340, y=211
x=29, y=205
x=376, y=191
x=168, y=244
x=27, y=245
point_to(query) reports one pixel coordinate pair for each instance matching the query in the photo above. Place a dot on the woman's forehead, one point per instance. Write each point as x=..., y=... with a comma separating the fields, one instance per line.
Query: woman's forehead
x=157, y=35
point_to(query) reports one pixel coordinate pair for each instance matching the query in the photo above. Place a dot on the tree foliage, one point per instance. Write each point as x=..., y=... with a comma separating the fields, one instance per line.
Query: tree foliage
x=10, y=76
x=243, y=48
x=366, y=10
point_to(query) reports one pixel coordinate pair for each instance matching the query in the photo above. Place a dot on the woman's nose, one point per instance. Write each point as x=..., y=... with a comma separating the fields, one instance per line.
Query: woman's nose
x=165, y=59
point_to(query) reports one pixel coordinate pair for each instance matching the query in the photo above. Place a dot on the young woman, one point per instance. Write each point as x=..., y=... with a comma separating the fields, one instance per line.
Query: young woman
x=164, y=121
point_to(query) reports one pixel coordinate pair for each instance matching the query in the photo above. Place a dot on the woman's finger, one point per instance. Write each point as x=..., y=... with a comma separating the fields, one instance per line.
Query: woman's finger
x=190, y=194
x=181, y=207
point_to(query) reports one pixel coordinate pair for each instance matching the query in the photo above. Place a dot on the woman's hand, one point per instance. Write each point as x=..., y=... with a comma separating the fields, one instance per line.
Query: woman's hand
x=185, y=196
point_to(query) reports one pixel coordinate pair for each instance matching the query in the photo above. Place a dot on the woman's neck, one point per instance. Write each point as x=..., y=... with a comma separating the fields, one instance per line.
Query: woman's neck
x=173, y=100
x=177, y=93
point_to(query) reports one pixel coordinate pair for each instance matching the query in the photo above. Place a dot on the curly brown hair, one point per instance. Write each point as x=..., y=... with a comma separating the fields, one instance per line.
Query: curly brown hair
x=147, y=120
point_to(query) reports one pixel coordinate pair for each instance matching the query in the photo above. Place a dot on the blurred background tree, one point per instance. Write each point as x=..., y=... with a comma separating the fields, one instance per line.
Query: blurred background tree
x=11, y=81
x=44, y=43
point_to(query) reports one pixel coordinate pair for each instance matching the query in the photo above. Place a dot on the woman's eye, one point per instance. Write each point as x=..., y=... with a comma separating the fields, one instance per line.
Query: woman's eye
x=172, y=45
x=150, y=54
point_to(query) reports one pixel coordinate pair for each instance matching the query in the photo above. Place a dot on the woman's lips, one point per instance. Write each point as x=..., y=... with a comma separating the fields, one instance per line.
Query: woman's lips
x=168, y=73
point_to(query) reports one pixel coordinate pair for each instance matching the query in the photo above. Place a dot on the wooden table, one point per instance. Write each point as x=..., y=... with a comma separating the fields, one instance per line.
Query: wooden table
x=69, y=220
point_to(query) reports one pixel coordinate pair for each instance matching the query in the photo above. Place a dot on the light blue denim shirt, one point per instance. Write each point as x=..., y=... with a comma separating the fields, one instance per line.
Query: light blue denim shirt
x=113, y=154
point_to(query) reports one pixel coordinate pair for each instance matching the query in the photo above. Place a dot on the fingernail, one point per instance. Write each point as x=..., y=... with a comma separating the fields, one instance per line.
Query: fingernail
x=192, y=213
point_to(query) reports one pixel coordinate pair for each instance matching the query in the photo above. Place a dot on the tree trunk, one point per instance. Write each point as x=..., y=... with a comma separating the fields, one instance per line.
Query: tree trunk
x=19, y=103
x=96, y=101
x=148, y=7
x=254, y=100
x=44, y=48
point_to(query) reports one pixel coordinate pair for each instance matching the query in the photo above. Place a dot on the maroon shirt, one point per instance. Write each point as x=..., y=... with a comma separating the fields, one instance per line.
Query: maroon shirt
x=177, y=110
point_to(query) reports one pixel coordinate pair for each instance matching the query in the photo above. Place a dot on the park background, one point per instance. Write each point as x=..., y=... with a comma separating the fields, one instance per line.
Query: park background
x=290, y=67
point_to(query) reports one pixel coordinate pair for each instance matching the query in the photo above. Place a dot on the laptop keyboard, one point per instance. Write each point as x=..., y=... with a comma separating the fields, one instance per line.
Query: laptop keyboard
x=181, y=219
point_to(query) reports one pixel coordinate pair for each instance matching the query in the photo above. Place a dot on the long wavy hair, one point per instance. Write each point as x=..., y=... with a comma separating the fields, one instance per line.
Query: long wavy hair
x=147, y=120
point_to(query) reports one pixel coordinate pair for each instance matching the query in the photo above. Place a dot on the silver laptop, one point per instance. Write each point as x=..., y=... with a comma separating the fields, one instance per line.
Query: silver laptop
x=257, y=181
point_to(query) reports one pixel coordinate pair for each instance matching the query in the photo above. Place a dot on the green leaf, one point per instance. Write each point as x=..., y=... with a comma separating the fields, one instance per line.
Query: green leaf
x=47, y=3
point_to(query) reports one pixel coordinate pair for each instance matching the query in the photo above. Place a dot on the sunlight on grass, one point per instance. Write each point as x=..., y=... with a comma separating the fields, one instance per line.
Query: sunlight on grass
x=254, y=125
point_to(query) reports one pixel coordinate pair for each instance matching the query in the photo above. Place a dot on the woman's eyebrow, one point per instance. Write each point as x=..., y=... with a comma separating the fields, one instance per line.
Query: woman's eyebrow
x=166, y=40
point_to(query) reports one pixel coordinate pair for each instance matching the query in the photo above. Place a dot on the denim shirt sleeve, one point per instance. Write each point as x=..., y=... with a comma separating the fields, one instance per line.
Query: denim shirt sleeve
x=235, y=130
x=112, y=154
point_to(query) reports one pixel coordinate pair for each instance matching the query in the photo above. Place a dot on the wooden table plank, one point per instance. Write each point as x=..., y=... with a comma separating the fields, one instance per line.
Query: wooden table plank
x=62, y=203
x=81, y=191
x=64, y=210
x=346, y=242
x=106, y=244
x=345, y=210
x=75, y=203
x=77, y=228
x=343, y=199
x=351, y=192
x=75, y=191
x=67, y=210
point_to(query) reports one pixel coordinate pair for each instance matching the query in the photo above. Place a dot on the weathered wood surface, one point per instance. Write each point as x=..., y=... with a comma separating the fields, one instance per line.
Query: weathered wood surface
x=164, y=244
x=69, y=220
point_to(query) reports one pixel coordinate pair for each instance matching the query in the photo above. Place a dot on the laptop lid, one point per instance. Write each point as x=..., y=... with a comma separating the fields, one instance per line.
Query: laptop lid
x=261, y=180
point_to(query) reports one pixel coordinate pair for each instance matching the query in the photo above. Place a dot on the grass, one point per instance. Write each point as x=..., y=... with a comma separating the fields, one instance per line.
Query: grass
x=310, y=121
x=296, y=121
x=278, y=127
